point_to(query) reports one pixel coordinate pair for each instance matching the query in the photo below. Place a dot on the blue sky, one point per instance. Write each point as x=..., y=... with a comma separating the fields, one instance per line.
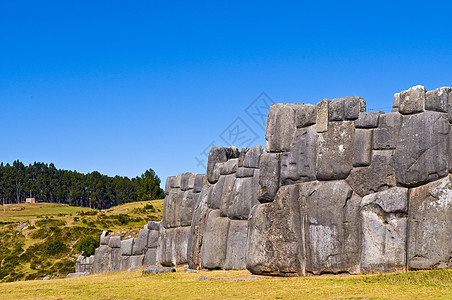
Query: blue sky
x=124, y=86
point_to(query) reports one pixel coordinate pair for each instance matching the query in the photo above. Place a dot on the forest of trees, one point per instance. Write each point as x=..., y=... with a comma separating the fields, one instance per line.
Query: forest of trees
x=48, y=184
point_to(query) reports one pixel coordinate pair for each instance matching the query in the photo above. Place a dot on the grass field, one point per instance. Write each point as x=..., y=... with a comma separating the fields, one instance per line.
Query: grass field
x=180, y=285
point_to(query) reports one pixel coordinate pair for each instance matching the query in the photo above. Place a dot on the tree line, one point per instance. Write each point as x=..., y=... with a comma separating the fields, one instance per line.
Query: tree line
x=48, y=184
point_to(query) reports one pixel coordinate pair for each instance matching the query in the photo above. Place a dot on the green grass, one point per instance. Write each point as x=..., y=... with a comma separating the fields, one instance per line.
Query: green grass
x=46, y=246
x=124, y=285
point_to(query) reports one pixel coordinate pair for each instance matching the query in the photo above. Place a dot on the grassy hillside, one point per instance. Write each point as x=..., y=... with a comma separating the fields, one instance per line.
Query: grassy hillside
x=180, y=285
x=38, y=240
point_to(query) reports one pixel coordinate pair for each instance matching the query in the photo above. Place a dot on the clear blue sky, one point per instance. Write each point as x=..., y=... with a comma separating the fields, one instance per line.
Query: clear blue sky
x=124, y=86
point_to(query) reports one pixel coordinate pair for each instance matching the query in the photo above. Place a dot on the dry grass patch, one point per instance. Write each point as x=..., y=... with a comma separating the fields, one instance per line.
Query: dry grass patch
x=180, y=285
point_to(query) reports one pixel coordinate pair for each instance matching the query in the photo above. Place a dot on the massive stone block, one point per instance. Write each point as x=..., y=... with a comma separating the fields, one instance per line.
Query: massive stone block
x=252, y=157
x=229, y=167
x=336, y=109
x=216, y=195
x=242, y=198
x=114, y=242
x=439, y=99
x=187, y=181
x=236, y=245
x=384, y=227
x=140, y=243
x=305, y=115
x=335, y=151
x=299, y=164
x=353, y=106
x=102, y=259
x=330, y=227
x=430, y=225
x=274, y=238
x=173, y=244
x=269, y=167
x=227, y=199
x=199, y=181
x=186, y=208
x=126, y=247
x=422, y=151
x=412, y=100
x=362, y=148
x=387, y=134
x=321, y=121
x=214, y=241
x=197, y=229
x=280, y=128
x=380, y=175
x=171, y=209
x=368, y=119
x=216, y=155
x=153, y=239
x=150, y=258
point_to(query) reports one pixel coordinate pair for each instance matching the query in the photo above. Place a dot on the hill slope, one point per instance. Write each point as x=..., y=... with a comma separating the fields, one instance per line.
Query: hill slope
x=38, y=240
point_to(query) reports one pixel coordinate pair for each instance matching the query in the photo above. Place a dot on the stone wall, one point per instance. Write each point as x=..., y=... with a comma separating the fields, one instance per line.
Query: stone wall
x=337, y=189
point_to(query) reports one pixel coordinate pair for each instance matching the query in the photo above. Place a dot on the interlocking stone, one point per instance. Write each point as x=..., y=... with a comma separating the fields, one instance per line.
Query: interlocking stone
x=387, y=134
x=252, y=157
x=353, y=106
x=280, y=128
x=126, y=247
x=412, y=100
x=422, y=151
x=305, y=115
x=187, y=181
x=430, y=225
x=213, y=251
x=321, y=121
x=336, y=109
x=236, y=245
x=216, y=155
x=335, y=151
x=439, y=99
x=362, y=148
x=269, y=166
x=368, y=119
x=384, y=225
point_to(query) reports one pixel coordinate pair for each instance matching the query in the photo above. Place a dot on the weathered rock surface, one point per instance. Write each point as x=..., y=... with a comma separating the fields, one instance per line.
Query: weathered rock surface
x=280, y=128
x=384, y=226
x=157, y=270
x=335, y=151
x=216, y=155
x=430, y=225
x=387, y=134
x=269, y=176
x=236, y=245
x=214, y=241
x=412, y=100
x=305, y=115
x=422, y=150
x=102, y=259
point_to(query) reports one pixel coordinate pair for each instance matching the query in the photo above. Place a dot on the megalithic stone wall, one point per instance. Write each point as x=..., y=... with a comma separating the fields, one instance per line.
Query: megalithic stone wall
x=219, y=228
x=345, y=190
x=182, y=192
x=337, y=189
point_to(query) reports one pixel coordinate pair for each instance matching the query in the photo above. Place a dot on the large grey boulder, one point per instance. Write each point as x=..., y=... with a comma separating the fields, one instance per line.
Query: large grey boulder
x=197, y=229
x=214, y=240
x=140, y=243
x=171, y=214
x=387, y=134
x=336, y=109
x=252, y=157
x=187, y=181
x=321, y=111
x=299, y=164
x=244, y=172
x=242, y=198
x=280, y=128
x=216, y=195
x=153, y=225
x=379, y=176
x=115, y=263
x=115, y=241
x=173, y=243
x=229, y=167
x=126, y=247
x=104, y=238
x=269, y=167
x=362, y=148
x=153, y=239
x=136, y=262
x=305, y=115
x=226, y=198
x=439, y=99
x=199, y=181
x=353, y=106
x=150, y=258
x=102, y=259
x=216, y=155
x=430, y=225
x=186, y=208
x=422, y=151
x=331, y=227
x=274, y=237
x=368, y=119
x=236, y=245
x=157, y=270
x=335, y=151
x=412, y=100
x=384, y=225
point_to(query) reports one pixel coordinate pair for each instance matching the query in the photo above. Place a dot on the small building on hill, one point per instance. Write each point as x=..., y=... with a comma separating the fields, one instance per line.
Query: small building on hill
x=30, y=200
